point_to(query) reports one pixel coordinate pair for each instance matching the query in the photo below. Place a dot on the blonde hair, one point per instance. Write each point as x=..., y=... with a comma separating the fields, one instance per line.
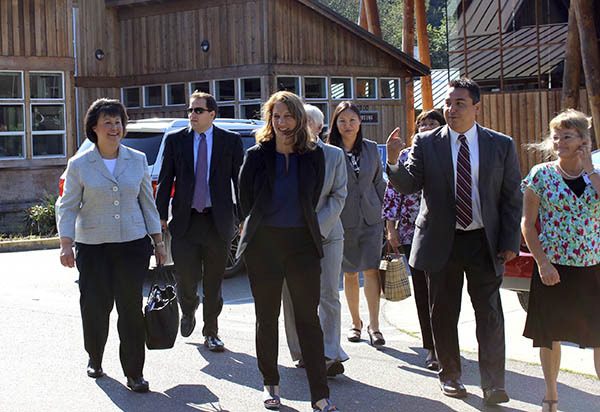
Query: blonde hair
x=301, y=135
x=567, y=119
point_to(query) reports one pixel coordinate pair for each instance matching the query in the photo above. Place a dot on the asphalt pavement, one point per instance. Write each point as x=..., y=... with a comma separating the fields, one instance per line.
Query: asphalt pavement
x=42, y=361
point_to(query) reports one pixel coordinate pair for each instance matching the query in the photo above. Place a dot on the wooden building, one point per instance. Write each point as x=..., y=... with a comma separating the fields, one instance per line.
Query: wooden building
x=57, y=56
x=155, y=52
x=36, y=102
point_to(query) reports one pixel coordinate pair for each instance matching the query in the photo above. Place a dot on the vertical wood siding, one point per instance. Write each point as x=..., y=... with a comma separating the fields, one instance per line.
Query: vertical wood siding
x=41, y=28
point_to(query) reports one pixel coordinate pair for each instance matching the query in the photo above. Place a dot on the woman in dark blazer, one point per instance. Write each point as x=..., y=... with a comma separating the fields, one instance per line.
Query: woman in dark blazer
x=361, y=218
x=279, y=186
x=107, y=211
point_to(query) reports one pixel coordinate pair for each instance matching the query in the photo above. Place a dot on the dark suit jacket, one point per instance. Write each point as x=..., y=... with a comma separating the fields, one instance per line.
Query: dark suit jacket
x=257, y=177
x=430, y=168
x=178, y=166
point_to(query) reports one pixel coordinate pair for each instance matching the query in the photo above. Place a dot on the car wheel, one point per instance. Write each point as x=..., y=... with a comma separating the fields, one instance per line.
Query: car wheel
x=523, y=299
x=233, y=265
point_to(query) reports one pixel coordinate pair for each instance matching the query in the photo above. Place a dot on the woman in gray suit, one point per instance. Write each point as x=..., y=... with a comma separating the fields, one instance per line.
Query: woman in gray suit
x=361, y=218
x=107, y=212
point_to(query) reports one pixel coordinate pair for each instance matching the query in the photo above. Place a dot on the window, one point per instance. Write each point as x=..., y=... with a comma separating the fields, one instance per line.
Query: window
x=225, y=90
x=315, y=88
x=250, y=89
x=324, y=108
x=175, y=94
x=200, y=86
x=48, y=129
x=390, y=88
x=366, y=88
x=250, y=111
x=288, y=83
x=47, y=86
x=153, y=96
x=11, y=85
x=227, y=112
x=12, y=131
x=341, y=88
x=132, y=97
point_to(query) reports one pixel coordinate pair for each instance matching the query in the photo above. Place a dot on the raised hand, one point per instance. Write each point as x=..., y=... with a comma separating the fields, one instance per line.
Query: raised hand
x=394, y=146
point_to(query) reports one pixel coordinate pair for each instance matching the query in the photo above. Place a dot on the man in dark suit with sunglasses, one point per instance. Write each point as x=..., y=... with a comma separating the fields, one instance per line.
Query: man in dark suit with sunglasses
x=202, y=161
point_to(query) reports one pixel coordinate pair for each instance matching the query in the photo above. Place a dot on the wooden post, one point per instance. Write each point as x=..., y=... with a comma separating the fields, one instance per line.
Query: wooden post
x=424, y=56
x=408, y=41
x=372, y=16
x=572, y=71
x=590, y=57
x=362, y=16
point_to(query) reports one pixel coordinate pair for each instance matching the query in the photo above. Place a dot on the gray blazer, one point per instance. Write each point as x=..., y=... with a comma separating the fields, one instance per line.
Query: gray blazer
x=429, y=167
x=97, y=207
x=333, y=194
x=365, y=191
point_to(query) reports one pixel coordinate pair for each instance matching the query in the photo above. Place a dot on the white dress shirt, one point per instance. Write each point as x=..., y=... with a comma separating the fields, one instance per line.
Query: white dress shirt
x=473, y=143
x=209, y=144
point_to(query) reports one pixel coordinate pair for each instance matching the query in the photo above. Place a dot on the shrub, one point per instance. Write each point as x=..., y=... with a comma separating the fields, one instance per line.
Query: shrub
x=40, y=218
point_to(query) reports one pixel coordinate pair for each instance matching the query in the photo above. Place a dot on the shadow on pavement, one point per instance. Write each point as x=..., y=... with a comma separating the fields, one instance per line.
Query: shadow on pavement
x=529, y=389
x=178, y=398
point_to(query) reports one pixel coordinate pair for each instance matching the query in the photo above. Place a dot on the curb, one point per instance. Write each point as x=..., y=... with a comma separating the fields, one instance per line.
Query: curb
x=29, y=244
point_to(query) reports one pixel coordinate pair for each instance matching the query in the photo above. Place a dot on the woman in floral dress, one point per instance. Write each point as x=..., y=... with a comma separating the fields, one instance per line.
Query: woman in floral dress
x=564, y=302
x=400, y=212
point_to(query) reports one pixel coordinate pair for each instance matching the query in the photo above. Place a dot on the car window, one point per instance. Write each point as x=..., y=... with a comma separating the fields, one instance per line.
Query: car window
x=147, y=142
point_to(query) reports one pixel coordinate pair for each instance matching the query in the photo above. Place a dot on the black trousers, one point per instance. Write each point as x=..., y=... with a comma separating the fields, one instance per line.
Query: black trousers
x=200, y=256
x=470, y=255
x=275, y=254
x=114, y=273
x=421, y=292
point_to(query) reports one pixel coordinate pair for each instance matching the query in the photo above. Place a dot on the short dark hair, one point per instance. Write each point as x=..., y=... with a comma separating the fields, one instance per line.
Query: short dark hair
x=211, y=103
x=430, y=114
x=107, y=107
x=334, y=137
x=470, y=85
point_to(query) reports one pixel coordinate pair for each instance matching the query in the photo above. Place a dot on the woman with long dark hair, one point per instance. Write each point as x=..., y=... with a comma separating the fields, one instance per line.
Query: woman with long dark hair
x=280, y=183
x=361, y=218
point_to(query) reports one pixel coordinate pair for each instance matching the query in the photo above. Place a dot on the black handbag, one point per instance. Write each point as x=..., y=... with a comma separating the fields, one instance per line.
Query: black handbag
x=161, y=316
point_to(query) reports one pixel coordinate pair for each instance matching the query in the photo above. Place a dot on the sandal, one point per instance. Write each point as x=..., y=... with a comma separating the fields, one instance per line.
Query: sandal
x=354, y=334
x=324, y=405
x=272, y=401
x=552, y=405
x=376, y=338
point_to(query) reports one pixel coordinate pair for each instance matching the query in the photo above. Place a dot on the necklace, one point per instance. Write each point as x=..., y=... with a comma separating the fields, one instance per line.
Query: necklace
x=568, y=176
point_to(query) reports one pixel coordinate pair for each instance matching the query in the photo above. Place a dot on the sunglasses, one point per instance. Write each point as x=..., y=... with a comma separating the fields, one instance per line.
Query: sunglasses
x=197, y=110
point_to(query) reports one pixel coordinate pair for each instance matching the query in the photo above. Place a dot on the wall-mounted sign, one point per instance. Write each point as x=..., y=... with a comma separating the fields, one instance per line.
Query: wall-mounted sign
x=371, y=117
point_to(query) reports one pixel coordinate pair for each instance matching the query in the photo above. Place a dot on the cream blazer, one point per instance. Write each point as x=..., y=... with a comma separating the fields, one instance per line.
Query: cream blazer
x=97, y=207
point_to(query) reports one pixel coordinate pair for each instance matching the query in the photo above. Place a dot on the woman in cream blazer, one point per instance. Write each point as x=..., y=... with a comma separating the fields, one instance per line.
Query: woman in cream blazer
x=107, y=212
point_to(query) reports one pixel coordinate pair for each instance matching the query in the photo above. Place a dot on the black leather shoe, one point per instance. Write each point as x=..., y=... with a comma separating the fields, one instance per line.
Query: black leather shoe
x=494, y=396
x=94, y=371
x=214, y=344
x=334, y=367
x=138, y=384
x=431, y=361
x=188, y=323
x=453, y=388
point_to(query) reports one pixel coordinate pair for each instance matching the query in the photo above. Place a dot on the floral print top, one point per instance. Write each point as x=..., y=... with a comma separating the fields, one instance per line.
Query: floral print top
x=570, y=225
x=400, y=207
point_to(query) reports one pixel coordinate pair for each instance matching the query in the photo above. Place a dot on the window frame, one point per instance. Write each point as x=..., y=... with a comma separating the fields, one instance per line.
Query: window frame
x=163, y=95
x=351, y=88
x=241, y=89
x=327, y=91
x=355, y=85
x=140, y=92
x=300, y=90
x=62, y=132
x=22, y=133
x=19, y=99
x=185, y=98
x=380, y=89
x=235, y=92
x=211, y=86
x=36, y=99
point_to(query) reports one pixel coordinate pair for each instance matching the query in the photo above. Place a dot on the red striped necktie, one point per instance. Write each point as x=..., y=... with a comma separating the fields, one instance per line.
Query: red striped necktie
x=464, y=202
